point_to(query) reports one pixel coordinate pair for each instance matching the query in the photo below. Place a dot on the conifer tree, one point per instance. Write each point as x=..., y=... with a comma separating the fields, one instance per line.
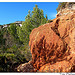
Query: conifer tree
x=32, y=20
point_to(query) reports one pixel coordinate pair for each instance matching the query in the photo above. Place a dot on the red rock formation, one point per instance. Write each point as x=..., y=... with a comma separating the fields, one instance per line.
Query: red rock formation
x=53, y=44
x=63, y=66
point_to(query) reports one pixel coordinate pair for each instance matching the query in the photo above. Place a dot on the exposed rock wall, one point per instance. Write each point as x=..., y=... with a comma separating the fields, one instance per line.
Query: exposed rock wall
x=53, y=44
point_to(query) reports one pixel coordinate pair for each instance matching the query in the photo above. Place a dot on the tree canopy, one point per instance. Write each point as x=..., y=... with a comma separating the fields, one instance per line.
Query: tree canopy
x=32, y=20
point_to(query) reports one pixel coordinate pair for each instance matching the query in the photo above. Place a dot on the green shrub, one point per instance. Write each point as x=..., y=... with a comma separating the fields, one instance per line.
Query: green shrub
x=61, y=6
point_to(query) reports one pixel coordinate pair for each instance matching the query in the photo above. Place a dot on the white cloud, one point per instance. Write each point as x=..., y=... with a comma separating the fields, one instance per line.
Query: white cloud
x=52, y=15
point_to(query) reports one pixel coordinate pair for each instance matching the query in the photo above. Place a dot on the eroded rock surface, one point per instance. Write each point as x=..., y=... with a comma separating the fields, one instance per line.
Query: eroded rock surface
x=53, y=45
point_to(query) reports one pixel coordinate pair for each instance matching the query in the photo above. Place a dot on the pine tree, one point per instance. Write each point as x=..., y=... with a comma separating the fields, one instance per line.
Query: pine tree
x=32, y=20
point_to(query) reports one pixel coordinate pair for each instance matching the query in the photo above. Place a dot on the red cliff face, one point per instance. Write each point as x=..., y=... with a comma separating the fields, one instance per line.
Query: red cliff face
x=53, y=44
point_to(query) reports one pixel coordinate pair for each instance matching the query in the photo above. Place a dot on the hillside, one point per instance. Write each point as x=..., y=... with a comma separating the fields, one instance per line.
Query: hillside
x=19, y=23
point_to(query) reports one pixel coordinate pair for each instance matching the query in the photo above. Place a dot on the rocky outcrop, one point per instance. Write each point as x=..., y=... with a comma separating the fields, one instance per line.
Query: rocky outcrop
x=53, y=44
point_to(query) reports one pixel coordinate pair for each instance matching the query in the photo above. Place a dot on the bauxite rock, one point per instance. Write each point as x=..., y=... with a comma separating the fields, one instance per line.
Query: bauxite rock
x=53, y=44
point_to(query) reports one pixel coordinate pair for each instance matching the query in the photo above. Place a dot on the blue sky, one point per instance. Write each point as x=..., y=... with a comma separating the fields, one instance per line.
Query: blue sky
x=16, y=11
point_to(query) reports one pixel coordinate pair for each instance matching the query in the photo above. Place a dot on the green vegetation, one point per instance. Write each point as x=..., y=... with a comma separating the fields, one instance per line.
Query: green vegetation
x=2, y=40
x=11, y=51
x=14, y=48
x=32, y=20
x=63, y=5
x=48, y=21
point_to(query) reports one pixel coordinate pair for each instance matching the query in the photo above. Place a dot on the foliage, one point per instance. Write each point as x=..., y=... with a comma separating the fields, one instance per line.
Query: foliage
x=32, y=20
x=13, y=30
x=2, y=40
x=61, y=5
x=12, y=51
x=48, y=21
x=10, y=57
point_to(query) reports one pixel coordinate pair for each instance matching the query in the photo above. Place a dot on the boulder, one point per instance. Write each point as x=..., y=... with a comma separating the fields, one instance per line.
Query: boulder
x=26, y=67
x=53, y=44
